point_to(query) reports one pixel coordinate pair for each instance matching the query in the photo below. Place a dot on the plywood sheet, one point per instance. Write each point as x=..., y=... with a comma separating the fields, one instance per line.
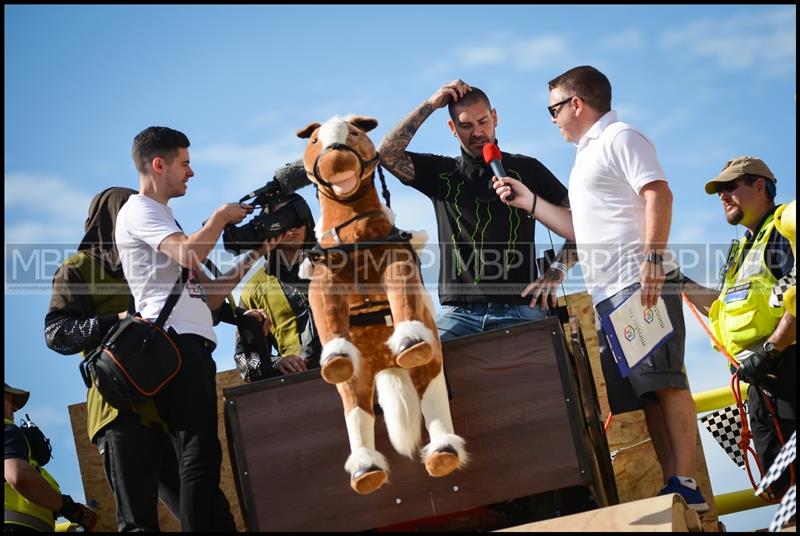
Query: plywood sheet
x=95, y=485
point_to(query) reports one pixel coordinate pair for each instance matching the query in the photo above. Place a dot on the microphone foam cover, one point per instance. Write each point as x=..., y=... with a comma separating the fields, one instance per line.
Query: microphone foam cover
x=292, y=177
x=491, y=152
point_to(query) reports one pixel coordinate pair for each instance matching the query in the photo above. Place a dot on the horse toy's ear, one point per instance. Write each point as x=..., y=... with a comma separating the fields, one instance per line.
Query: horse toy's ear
x=306, y=132
x=364, y=123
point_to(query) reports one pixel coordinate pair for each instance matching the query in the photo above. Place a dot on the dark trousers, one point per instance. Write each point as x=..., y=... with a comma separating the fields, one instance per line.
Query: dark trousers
x=782, y=393
x=188, y=404
x=133, y=459
x=141, y=467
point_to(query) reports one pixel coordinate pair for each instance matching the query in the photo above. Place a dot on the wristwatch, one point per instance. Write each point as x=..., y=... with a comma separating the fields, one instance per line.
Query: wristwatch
x=655, y=258
x=770, y=350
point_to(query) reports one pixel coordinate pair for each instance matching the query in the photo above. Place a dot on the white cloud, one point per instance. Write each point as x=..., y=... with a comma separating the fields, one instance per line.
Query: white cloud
x=244, y=168
x=540, y=52
x=764, y=41
x=623, y=40
x=521, y=53
x=50, y=208
x=50, y=231
x=478, y=56
x=666, y=124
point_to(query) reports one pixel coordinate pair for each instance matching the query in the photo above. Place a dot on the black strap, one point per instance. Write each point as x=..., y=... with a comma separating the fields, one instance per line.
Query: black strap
x=371, y=319
x=223, y=314
x=384, y=190
x=177, y=289
x=317, y=253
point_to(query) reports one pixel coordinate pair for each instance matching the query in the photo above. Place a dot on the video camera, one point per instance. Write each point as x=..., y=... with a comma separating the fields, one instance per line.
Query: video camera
x=281, y=210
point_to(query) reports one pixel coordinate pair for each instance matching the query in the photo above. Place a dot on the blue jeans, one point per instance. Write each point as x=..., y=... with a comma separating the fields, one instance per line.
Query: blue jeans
x=460, y=320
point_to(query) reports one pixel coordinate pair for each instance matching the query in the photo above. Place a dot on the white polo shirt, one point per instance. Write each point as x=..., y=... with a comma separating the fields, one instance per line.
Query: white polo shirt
x=613, y=163
x=142, y=224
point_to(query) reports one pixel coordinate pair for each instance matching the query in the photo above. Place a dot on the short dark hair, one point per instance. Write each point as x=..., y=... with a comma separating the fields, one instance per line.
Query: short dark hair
x=770, y=188
x=471, y=97
x=587, y=83
x=157, y=141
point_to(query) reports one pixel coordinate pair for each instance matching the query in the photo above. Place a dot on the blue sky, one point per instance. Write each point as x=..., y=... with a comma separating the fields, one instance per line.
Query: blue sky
x=705, y=83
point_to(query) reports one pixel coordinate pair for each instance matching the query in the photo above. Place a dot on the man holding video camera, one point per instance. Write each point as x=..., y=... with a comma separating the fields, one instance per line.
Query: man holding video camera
x=154, y=251
x=279, y=314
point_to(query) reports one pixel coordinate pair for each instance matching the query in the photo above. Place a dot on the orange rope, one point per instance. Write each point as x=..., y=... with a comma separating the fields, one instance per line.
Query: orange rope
x=747, y=435
x=708, y=332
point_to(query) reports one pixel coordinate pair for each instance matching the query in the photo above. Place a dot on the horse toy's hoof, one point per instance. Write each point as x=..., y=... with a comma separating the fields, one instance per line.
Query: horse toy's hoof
x=368, y=479
x=442, y=462
x=337, y=369
x=414, y=353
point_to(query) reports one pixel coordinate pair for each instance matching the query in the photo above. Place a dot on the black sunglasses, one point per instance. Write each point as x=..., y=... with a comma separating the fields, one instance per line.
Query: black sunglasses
x=730, y=186
x=554, y=107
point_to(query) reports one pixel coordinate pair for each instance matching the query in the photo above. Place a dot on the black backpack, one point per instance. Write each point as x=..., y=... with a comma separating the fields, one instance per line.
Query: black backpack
x=41, y=451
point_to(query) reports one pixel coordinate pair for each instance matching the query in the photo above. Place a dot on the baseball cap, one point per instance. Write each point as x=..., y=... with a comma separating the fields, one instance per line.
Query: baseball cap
x=18, y=397
x=738, y=167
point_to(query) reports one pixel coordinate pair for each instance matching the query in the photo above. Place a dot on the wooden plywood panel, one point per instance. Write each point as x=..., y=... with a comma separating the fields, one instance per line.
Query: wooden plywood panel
x=508, y=403
x=636, y=468
x=95, y=485
x=657, y=514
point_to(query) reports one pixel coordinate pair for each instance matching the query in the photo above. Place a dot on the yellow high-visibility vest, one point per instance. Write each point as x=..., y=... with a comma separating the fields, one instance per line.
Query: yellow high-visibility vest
x=741, y=316
x=21, y=511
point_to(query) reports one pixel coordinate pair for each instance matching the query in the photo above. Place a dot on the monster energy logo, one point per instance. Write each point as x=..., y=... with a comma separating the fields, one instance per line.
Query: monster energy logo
x=457, y=232
x=513, y=226
x=478, y=241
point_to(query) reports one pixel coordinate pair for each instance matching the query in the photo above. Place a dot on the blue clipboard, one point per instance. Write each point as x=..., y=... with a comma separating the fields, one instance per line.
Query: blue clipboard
x=613, y=339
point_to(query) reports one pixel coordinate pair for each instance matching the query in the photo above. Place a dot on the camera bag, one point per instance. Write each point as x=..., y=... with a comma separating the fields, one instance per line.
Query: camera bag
x=137, y=358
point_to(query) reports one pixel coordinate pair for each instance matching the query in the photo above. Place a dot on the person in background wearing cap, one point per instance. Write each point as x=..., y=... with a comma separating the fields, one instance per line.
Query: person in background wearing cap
x=277, y=298
x=89, y=295
x=32, y=498
x=752, y=327
x=621, y=211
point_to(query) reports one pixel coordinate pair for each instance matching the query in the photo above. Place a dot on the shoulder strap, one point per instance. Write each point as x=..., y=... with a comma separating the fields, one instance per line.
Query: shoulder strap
x=223, y=314
x=177, y=289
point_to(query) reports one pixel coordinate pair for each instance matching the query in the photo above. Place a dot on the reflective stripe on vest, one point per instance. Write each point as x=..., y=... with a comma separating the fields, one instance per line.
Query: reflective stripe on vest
x=741, y=316
x=20, y=510
x=29, y=521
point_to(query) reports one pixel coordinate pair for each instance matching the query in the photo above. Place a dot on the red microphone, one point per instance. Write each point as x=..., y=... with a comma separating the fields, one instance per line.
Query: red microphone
x=492, y=157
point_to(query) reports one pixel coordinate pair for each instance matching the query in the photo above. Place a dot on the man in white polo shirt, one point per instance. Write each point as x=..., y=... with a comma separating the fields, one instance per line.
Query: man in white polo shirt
x=621, y=210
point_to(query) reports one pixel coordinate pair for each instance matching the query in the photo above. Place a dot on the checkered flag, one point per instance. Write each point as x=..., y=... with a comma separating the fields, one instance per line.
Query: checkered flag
x=726, y=427
x=783, y=460
x=786, y=511
x=788, y=506
x=784, y=283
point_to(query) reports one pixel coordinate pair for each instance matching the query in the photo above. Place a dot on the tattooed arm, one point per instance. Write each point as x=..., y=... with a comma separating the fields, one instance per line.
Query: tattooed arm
x=393, y=147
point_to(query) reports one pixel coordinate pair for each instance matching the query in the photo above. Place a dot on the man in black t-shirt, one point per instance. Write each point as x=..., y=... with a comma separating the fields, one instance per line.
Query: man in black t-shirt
x=487, y=248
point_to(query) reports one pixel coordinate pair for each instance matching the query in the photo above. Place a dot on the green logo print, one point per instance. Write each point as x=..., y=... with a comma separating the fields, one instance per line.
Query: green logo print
x=446, y=177
x=479, y=249
x=478, y=242
x=513, y=226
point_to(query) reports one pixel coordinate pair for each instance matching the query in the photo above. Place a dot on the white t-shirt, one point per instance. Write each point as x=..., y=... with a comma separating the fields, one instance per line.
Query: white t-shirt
x=613, y=163
x=142, y=224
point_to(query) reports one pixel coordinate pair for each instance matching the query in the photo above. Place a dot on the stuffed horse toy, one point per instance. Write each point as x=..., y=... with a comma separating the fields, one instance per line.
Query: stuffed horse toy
x=374, y=318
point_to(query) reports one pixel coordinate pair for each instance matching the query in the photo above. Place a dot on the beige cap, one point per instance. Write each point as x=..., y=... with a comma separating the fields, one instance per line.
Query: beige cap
x=18, y=397
x=738, y=167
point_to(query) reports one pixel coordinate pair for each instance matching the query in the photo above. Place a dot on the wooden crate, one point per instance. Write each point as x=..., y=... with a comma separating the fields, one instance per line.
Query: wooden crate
x=515, y=399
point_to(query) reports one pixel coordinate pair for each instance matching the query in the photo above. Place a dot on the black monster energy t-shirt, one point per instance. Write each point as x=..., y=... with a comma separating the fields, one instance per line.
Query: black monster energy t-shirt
x=486, y=247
